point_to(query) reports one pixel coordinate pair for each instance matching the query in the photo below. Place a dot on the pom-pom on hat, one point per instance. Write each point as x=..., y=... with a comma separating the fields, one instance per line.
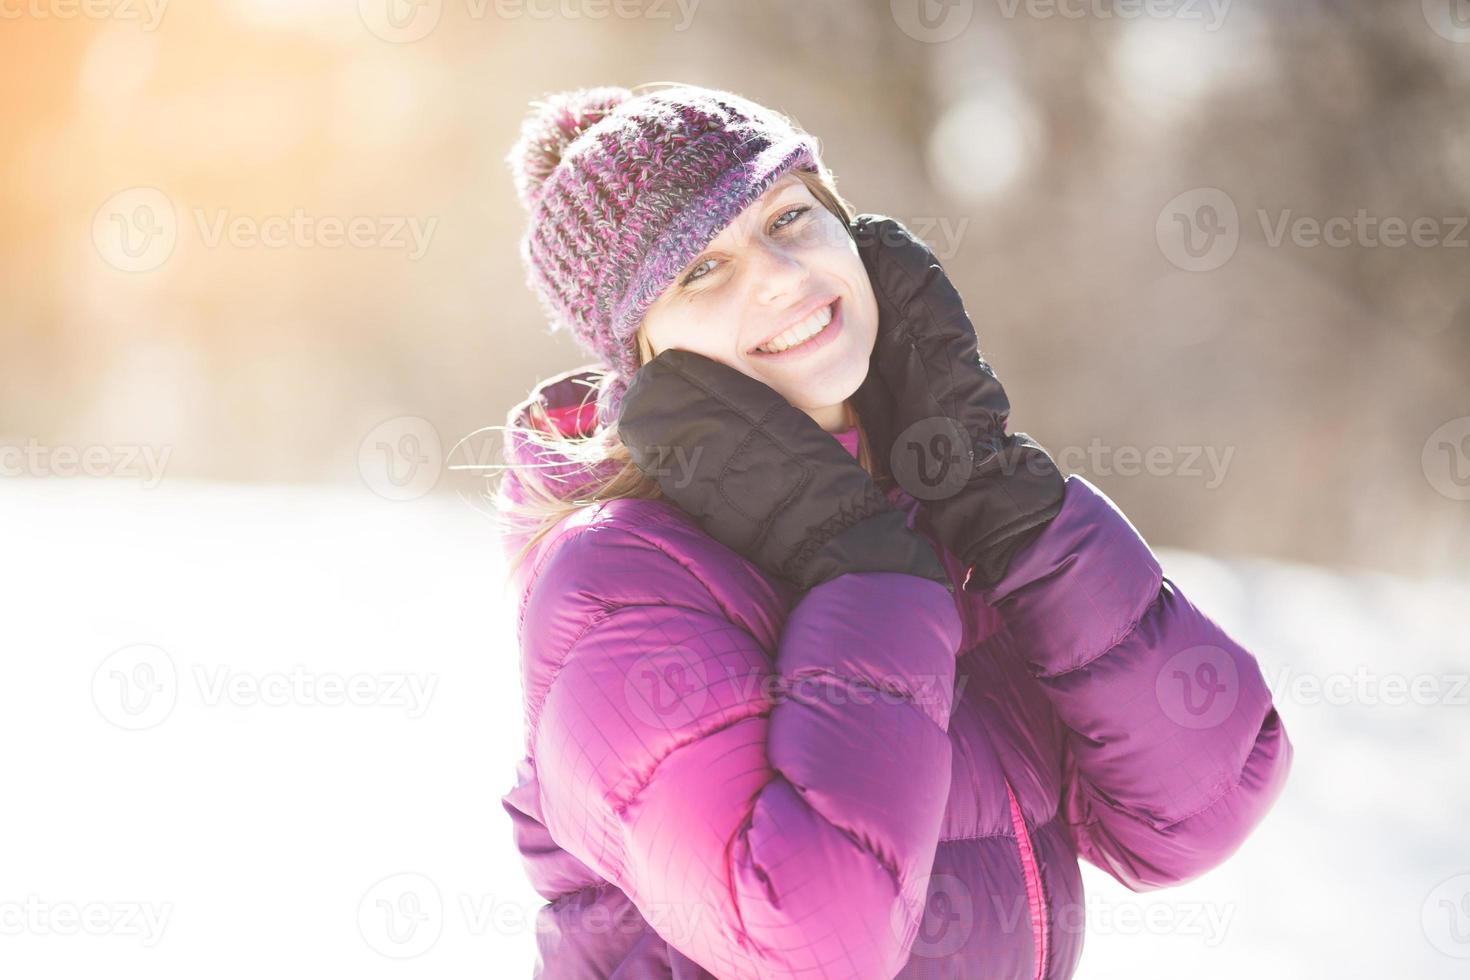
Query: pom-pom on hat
x=624, y=190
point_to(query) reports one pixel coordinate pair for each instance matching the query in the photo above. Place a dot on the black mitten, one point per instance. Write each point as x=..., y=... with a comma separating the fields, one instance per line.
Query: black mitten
x=762, y=477
x=937, y=412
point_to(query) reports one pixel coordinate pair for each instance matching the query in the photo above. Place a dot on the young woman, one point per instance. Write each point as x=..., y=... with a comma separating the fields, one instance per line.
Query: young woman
x=825, y=673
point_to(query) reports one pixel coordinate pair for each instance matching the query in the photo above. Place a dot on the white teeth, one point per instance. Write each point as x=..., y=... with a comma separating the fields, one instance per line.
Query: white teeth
x=803, y=331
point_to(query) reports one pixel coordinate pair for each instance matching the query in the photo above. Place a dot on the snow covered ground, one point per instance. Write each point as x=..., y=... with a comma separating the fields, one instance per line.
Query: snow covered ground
x=264, y=731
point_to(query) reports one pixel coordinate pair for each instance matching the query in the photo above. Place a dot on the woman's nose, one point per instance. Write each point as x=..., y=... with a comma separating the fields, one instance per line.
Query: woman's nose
x=780, y=273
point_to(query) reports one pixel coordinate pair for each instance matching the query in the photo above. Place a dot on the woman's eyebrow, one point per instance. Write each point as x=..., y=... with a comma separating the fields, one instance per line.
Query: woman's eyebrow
x=770, y=198
x=774, y=196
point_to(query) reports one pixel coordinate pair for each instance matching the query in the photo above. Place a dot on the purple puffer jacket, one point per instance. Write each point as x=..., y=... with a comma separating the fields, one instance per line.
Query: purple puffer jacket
x=726, y=777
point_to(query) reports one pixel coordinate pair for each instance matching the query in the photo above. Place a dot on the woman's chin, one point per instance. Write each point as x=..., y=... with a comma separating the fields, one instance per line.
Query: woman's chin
x=812, y=395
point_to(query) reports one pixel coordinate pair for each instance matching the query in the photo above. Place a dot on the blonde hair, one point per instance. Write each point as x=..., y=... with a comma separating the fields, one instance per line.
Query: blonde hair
x=546, y=501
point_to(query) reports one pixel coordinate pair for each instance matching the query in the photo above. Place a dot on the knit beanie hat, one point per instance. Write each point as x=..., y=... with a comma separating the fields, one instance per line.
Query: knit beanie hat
x=623, y=191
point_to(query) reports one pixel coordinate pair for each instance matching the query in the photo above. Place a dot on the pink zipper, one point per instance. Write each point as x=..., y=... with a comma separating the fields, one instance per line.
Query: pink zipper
x=1035, y=899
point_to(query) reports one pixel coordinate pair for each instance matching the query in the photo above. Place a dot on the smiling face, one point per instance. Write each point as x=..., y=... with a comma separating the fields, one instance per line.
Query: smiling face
x=780, y=295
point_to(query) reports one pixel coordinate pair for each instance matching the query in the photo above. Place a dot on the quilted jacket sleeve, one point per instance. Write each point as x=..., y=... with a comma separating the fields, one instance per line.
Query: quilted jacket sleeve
x=1173, y=750
x=772, y=814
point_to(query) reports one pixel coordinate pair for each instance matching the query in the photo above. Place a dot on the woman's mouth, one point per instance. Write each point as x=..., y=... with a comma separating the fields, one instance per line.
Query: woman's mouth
x=814, y=333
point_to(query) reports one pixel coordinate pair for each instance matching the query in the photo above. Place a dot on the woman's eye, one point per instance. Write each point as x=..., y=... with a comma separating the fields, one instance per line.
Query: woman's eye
x=796, y=211
x=691, y=276
x=776, y=225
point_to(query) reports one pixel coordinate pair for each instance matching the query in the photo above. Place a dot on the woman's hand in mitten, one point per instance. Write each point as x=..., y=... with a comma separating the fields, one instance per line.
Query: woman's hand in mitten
x=938, y=412
x=762, y=477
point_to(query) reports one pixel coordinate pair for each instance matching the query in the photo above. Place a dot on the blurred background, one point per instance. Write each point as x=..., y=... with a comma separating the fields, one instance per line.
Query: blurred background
x=259, y=282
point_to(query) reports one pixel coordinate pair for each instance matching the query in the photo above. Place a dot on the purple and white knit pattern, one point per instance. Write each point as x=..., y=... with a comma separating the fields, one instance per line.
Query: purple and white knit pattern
x=623, y=191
